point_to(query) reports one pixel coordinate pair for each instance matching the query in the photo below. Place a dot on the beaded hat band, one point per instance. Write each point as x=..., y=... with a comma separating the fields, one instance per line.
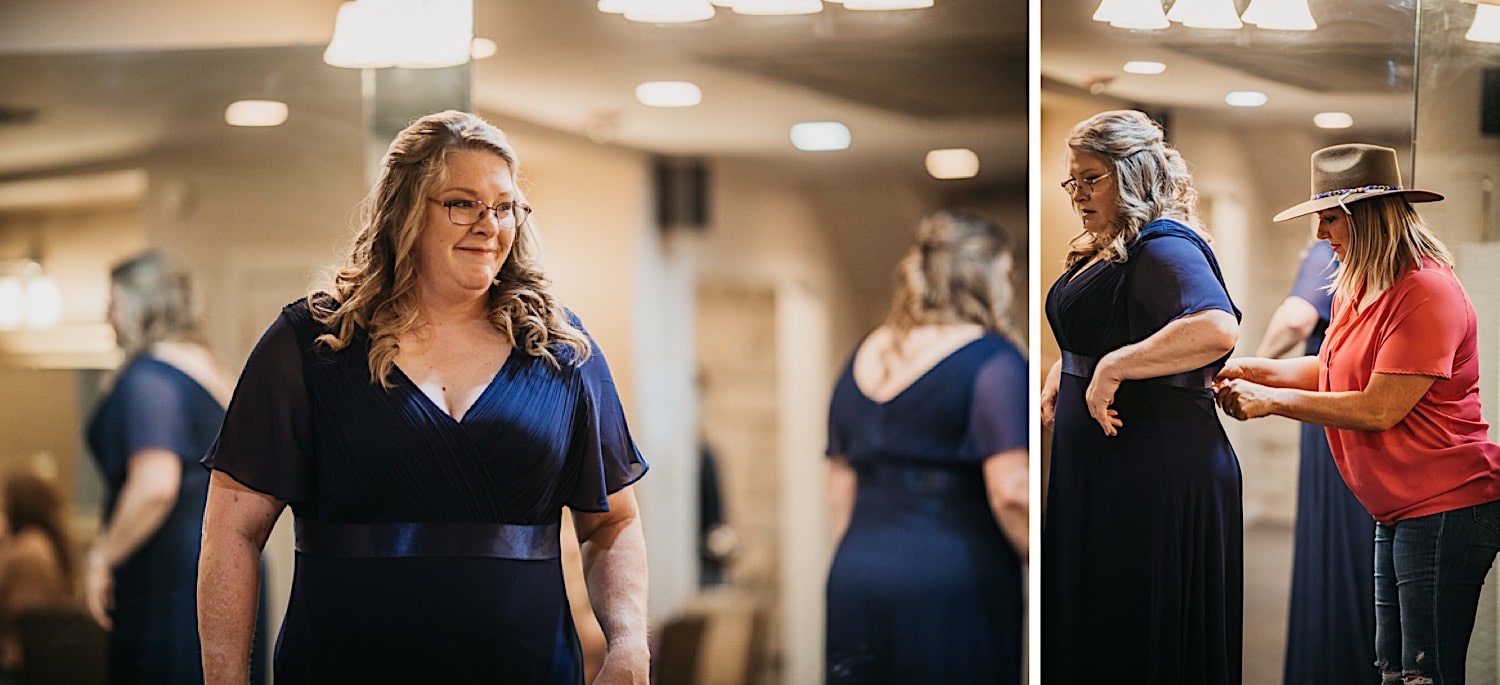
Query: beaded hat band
x=1352, y=172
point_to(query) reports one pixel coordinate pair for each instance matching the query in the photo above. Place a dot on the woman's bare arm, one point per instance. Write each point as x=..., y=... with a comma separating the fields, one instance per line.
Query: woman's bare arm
x=236, y=522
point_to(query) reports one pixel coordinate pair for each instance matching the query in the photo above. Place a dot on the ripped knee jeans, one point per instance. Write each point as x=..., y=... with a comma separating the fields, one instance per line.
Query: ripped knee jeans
x=1428, y=572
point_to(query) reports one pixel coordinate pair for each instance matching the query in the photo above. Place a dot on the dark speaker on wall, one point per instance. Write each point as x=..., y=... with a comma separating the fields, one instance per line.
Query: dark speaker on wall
x=1489, y=104
x=681, y=193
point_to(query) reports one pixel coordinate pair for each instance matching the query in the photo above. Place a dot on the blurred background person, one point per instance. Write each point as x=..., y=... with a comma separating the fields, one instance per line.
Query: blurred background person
x=147, y=434
x=427, y=419
x=927, y=442
x=1331, y=622
x=36, y=561
x=1142, y=543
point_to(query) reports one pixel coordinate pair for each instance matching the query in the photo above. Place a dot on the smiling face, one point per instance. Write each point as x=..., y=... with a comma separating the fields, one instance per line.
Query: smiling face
x=1333, y=226
x=457, y=262
x=1097, y=206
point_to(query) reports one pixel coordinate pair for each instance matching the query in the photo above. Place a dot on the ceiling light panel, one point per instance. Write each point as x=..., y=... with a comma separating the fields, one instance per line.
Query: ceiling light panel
x=820, y=136
x=668, y=94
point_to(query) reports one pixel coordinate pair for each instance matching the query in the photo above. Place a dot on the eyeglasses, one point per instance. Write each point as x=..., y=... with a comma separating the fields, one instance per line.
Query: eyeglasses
x=470, y=212
x=1071, y=185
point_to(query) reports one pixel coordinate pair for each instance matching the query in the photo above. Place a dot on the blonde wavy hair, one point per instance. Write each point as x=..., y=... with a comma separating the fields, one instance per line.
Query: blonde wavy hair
x=955, y=272
x=376, y=289
x=156, y=293
x=1151, y=178
x=1386, y=237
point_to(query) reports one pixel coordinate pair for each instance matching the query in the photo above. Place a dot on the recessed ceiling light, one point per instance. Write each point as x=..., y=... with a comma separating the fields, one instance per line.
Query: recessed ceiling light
x=1245, y=98
x=1333, y=120
x=483, y=48
x=668, y=94
x=255, y=113
x=820, y=136
x=1149, y=68
x=951, y=163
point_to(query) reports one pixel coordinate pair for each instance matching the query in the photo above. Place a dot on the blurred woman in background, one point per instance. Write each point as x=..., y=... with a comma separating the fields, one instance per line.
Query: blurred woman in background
x=36, y=561
x=147, y=435
x=927, y=442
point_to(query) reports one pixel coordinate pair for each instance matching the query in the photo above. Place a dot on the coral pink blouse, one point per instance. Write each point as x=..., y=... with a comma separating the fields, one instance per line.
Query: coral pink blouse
x=1439, y=457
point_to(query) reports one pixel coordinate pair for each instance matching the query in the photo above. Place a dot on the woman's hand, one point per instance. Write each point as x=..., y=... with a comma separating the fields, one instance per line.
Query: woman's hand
x=626, y=662
x=1244, y=399
x=99, y=589
x=1049, y=394
x=1235, y=368
x=1100, y=395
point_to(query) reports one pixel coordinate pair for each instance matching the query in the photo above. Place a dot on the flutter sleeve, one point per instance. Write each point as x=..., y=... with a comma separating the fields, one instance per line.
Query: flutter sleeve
x=265, y=442
x=998, y=418
x=608, y=456
x=1172, y=278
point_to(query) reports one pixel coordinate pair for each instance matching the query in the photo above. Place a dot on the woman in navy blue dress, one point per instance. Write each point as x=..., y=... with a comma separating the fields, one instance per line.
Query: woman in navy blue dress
x=427, y=420
x=1331, y=623
x=147, y=435
x=928, y=474
x=1142, y=575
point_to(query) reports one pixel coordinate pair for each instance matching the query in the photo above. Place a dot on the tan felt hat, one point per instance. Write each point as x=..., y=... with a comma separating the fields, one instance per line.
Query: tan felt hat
x=1352, y=172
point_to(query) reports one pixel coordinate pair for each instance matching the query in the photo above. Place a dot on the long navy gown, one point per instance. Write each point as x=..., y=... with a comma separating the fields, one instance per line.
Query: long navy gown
x=427, y=546
x=1142, y=566
x=924, y=587
x=1331, y=626
x=154, y=405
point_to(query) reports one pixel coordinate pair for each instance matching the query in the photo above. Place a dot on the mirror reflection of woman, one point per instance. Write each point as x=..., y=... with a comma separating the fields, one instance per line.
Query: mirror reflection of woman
x=928, y=474
x=147, y=435
x=1397, y=386
x=1142, y=576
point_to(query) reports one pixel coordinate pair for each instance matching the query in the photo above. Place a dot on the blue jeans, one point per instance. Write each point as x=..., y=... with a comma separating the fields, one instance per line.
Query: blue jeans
x=1428, y=572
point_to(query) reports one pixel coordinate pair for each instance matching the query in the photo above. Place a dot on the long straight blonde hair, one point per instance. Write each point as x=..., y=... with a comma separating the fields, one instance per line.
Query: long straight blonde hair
x=376, y=290
x=1386, y=238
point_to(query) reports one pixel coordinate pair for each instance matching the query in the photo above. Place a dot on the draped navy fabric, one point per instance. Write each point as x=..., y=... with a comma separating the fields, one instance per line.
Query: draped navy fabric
x=1331, y=622
x=154, y=405
x=307, y=426
x=1142, y=571
x=924, y=588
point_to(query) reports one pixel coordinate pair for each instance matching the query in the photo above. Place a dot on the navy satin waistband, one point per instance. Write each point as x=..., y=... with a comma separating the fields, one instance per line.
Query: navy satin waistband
x=1197, y=379
x=915, y=479
x=428, y=539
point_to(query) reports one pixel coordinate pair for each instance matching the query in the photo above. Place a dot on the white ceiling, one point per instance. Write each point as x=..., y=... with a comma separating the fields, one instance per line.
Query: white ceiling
x=1360, y=60
x=950, y=76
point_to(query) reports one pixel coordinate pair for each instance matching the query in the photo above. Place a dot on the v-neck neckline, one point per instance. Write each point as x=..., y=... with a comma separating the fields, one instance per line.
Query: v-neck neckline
x=415, y=389
x=903, y=391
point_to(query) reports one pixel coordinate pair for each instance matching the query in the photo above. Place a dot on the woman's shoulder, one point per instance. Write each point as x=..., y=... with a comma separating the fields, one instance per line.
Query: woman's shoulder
x=1431, y=278
x=995, y=346
x=1179, y=245
x=1431, y=282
